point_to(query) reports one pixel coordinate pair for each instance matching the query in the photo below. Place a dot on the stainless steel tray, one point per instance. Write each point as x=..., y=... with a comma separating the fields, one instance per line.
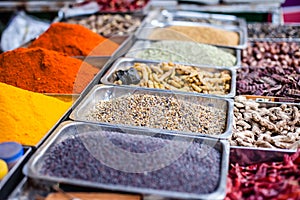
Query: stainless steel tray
x=207, y=18
x=141, y=45
x=267, y=103
x=71, y=129
x=146, y=29
x=248, y=155
x=253, y=1
x=102, y=92
x=124, y=63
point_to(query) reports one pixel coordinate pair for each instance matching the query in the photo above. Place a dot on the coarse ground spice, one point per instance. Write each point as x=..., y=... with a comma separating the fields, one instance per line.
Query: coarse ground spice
x=160, y=112
x=74, y=40
x=200, y=34
x=196, y=171
x=27, y=116
x=44, y=71
x=187, y=52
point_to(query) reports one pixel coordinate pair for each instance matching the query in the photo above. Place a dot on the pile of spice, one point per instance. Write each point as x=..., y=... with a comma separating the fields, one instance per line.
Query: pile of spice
x=268, y=126
x=121, y=5
x=108, y=24
x=208, y=35
x=172, y=76
x=74, y=40
x=275, y=180
x=197, y=170
x=45, y=71
x=270, y=69
x=267, y=30
x=160, y=112
x=186, y=52
x=27, y=116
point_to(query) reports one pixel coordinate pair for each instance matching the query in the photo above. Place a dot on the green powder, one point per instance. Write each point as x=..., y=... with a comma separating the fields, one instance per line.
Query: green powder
x=187, y=52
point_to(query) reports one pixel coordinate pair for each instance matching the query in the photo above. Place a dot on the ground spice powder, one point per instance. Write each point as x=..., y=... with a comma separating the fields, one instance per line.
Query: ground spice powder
x=45, y=71
x=200, y=34
x=74, y=40
x=27, y=116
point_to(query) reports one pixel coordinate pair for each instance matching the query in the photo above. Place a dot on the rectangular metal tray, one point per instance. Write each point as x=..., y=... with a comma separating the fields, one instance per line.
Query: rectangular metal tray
x=70, y=129
x=124, y=63
x=253, y=1
x=267, y=104
x=14, y=176
x=146, y=29
x=206, y=18
x=105, y=92
x=140, y=45
x=248, y=155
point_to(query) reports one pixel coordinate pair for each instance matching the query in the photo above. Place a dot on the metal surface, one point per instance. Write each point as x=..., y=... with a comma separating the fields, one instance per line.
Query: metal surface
x=253, y=1
x=214, y=19
x=14, y=176
x=147, y=29
x=125, y=63
x=140, y=45
x=69, y=129
x=248, y=155
x=102, y=92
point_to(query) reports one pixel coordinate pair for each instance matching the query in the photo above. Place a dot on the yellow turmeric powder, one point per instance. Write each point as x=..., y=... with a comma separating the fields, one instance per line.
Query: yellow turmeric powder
x=25, y=116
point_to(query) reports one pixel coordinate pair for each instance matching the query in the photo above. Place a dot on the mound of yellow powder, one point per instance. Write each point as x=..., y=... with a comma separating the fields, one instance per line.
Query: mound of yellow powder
x=25, y=116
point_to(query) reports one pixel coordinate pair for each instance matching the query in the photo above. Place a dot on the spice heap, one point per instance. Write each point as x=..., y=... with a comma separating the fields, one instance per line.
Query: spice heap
x=213, y=21
x=44, y=71
x=200, y=34
x=265, y=30
x=186, y=52
x=176, y=77
x=270, y=69
x=27, y=116
x=256, y=125
x=121, y=5
x=160, y=112
x=197, y=170
x=74, y=40
x=109, y=25
x=277, y=180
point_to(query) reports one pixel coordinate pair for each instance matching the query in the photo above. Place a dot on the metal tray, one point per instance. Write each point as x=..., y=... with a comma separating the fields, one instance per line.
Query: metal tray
x=248, y=155
x=124, y=63
x=204, y=2
x=102, y=92
x=267, y=103
x=253, y=1
x=146, y=29
x=206, y=18
x=14, y=176
x=69, y=129
x=140, y=45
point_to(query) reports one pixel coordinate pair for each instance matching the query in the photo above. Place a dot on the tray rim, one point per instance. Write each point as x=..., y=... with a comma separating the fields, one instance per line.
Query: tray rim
x=218, y=193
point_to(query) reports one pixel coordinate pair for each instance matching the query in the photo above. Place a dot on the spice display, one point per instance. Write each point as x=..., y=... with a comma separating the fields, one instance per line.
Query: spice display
x=200, y=34
x=187, y=52
x=160, y=112
x=44, y=71
x=270, y=69
x=27, y=116
x=121, y=5
x=256, y=125
x=213, y=21
x=275, y=180
x=172, y=76
x=265, y=30
x=108, y=24
x=191, y=172
x=74, y=40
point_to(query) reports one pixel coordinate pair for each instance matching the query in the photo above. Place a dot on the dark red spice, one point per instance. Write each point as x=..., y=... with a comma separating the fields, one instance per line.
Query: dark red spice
x=275, y=180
